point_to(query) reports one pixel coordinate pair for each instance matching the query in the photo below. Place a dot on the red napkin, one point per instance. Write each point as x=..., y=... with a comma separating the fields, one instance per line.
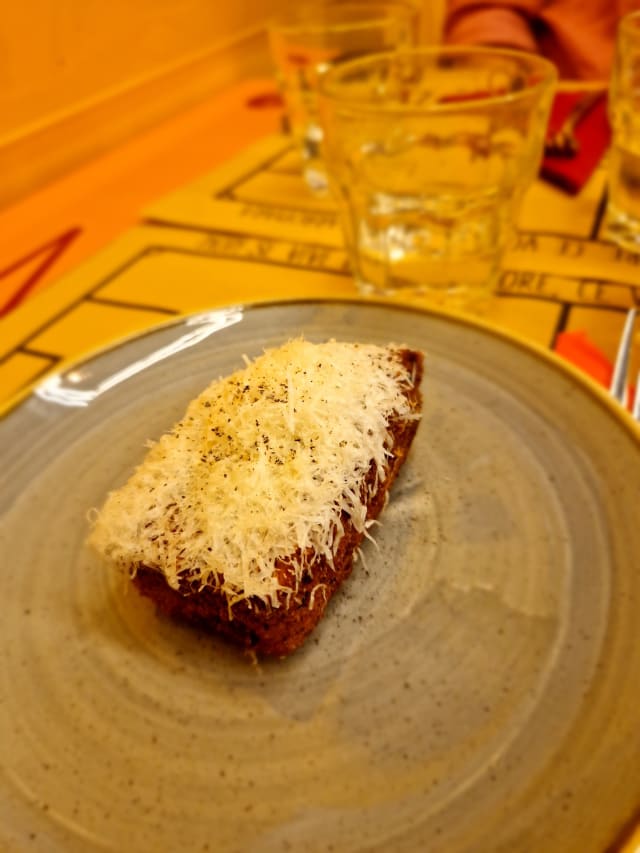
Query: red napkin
x=593, y=134
x=583, y=353
x=580, y=351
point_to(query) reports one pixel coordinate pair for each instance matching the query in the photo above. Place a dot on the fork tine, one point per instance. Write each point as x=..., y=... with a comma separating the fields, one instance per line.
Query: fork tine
x=618, y=386
x=564, y=142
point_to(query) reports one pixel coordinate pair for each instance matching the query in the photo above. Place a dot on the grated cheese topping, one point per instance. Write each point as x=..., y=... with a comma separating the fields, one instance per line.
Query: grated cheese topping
x=259, y=470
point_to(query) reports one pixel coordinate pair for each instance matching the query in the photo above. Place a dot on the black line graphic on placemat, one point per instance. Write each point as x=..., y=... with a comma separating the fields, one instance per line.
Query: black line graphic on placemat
x=71, y=306
x=210, y=230
x=563, y=319
x=531, y=283
x=292, y=213
x=240, y=239
x=136, y=306
x=290, y=171
x=43, y=371
x=265, y=165
x=262, y=260
x=260, y=210
x=611, y=309
x=39, y=354
x=561, y=324
x=565, y=239
x=599, y=215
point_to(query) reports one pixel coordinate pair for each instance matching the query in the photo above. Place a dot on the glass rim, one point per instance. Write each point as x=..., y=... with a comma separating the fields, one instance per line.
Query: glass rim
x=546, y=71
x=370, y=14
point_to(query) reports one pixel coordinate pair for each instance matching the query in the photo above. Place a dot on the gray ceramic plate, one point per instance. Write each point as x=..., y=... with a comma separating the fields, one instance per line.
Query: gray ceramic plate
x=474, y=687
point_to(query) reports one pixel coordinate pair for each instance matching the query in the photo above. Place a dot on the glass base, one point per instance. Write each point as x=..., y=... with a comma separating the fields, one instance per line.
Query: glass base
x=314, y=171
x=473, y=299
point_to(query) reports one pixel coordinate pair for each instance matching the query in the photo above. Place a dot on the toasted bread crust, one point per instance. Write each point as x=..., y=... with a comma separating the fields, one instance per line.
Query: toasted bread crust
x=278, y=631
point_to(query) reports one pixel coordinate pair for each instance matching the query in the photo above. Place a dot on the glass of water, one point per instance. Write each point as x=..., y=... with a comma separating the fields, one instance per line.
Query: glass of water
x=308, y=38
x=429, y=153
x=623, y=207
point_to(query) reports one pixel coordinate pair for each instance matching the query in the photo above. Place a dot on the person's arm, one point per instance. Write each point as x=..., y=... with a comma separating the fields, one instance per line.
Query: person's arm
x=507, y=24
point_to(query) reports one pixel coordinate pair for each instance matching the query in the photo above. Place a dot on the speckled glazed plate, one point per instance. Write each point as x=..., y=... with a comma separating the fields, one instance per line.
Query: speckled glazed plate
x=475, y=687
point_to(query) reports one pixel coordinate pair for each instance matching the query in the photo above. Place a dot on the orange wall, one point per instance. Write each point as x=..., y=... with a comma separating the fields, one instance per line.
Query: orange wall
x=55, y=56
x=79, y=76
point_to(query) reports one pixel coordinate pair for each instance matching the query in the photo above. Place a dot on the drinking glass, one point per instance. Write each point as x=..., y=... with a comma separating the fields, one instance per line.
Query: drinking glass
x=429, y=153
x=623, y=206
x=308, y=38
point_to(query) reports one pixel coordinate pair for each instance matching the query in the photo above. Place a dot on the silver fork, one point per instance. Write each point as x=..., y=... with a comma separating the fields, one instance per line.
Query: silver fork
x=619, y=386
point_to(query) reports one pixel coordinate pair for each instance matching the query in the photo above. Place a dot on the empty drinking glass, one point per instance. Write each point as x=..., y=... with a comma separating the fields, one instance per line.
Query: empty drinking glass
x=429, y=153
x=308, y=38
x=623, y=207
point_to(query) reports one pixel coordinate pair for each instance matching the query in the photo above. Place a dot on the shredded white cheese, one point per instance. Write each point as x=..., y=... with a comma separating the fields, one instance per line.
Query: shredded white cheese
x=260, y=469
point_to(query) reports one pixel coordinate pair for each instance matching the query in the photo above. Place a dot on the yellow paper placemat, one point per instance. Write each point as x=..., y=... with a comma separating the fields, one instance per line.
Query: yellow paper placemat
x=153, y=274
x=251, y=231
x=559, y=256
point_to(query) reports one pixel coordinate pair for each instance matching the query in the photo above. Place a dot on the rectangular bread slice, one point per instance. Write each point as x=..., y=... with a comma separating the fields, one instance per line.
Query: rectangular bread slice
x=246, y=517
